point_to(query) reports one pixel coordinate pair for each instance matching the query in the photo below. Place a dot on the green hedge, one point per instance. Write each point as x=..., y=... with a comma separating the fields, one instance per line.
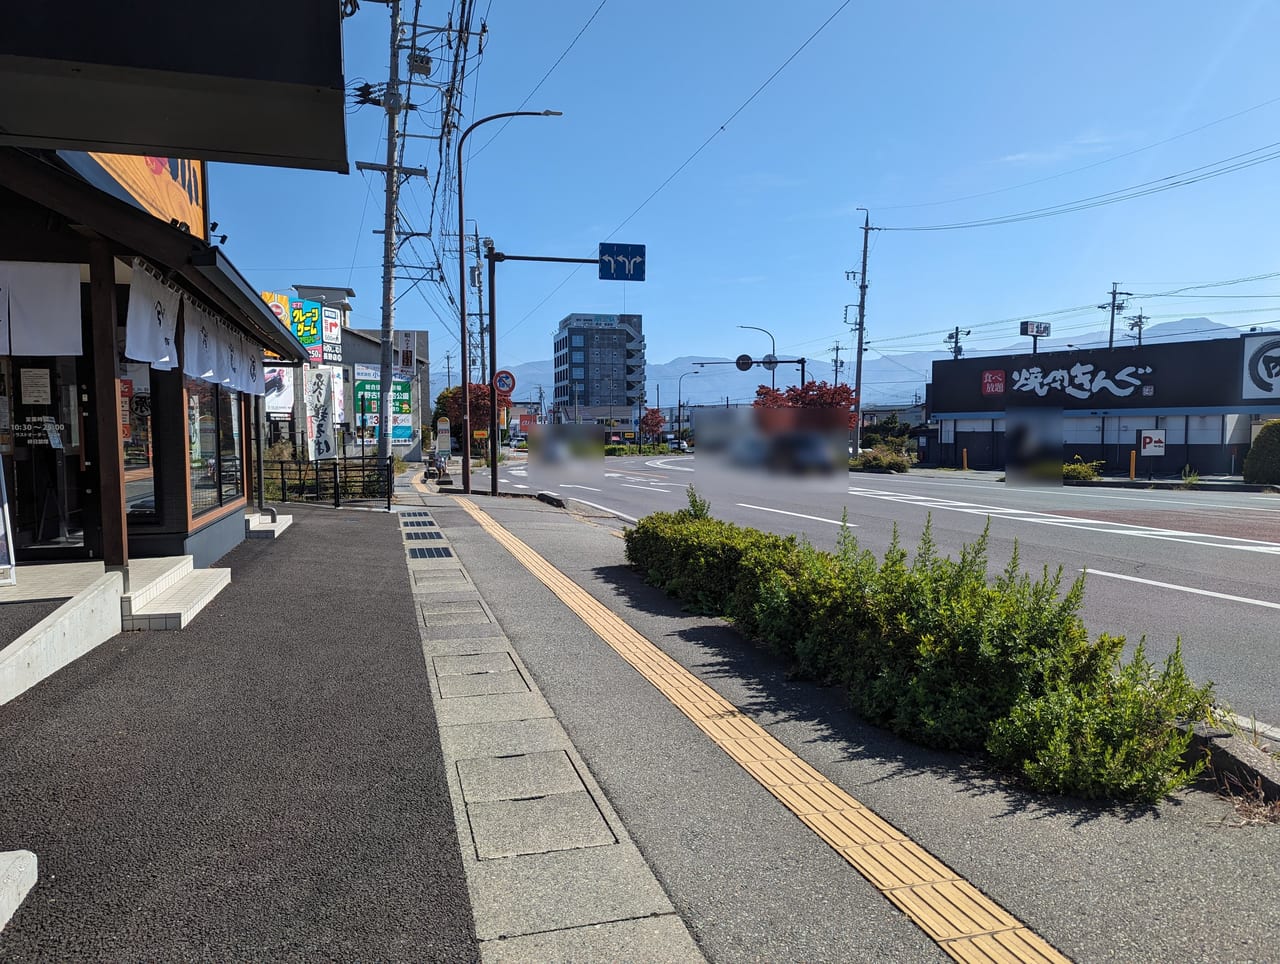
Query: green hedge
x=929, y=647
x=1262, y=463
x=882, y=458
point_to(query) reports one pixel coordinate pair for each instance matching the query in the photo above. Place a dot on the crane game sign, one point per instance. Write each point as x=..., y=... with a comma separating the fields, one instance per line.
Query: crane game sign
x=367, y=395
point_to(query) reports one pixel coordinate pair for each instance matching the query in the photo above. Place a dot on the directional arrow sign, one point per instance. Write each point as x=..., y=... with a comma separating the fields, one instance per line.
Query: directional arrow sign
x=621, y=262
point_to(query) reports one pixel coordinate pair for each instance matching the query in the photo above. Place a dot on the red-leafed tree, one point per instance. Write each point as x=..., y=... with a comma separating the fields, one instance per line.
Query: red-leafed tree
x=813, y=395
x=479, y=409
x=651, y=423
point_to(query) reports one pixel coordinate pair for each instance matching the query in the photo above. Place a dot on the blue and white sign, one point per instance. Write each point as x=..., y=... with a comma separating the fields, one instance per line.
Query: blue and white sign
x=622, y=262
x=504, y=382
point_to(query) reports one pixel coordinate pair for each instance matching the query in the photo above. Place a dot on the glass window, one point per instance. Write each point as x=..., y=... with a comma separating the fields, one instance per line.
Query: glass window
x=213, y=440
x=579, y=357
x=577, y=373
x=577, y=341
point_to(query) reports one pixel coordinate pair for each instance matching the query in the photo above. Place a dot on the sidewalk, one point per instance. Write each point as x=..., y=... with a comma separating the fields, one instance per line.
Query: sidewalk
x=265, y=784
x=391, y=738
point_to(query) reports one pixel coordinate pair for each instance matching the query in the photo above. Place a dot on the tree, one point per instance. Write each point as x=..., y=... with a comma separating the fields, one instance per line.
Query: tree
x=810, y=395
x=1262, y=464
x=651, y=423
x=479, y=410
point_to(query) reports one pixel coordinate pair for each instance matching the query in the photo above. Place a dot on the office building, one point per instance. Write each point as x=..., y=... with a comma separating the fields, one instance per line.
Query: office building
x=599, y=368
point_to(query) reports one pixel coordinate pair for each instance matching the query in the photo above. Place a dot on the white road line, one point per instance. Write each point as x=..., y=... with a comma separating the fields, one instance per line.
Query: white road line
x=605, y=508
x=664, y=464
x=1076, y=492
x=517, y=485
x=799, y=515
x=570, y=485
x=642, y=488
x=1198, y=592
x=1071, y=522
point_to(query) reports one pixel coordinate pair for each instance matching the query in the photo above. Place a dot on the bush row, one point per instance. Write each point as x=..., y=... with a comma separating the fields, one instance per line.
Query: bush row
x=882, y=458
x=927, y=646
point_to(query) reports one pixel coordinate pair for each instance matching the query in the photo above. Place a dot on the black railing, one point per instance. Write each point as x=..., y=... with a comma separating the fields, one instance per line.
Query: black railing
x=331, y=481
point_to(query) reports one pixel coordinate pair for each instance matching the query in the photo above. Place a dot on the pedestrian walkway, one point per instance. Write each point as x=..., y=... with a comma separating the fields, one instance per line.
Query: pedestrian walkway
x=267, y=783
x=467, y=730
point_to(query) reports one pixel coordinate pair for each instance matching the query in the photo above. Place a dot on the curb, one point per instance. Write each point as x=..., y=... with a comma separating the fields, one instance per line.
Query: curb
x=1169, y=484
x=1238, y=766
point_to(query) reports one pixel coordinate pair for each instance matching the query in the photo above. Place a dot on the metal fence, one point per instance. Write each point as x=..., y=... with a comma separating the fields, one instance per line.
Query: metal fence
x=330, y=481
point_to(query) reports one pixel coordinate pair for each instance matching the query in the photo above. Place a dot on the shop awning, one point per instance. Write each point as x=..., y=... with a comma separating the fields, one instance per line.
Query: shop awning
x=199, y=266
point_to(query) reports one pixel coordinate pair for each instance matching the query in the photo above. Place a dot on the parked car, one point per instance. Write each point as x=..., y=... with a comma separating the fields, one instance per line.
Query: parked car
x=677, y=445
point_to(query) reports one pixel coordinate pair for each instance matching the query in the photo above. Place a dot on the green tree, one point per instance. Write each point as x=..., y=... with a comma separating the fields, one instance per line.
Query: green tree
x=1262, y=464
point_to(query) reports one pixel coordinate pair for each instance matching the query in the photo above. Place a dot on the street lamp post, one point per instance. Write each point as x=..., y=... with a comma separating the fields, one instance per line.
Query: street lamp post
x=773, y=350
x=462, y=290
x=679, y=409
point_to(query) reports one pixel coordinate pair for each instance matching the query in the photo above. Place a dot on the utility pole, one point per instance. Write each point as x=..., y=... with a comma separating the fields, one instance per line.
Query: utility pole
x=448, y=369
x=1137, y=323
x=835, y=366
x=862, y=327
x=1114, y=306
x=953, y=342
x=480, y=315
x=392, y=102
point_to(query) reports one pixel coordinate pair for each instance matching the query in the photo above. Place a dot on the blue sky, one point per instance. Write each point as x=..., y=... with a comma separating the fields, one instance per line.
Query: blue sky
x=892, y=107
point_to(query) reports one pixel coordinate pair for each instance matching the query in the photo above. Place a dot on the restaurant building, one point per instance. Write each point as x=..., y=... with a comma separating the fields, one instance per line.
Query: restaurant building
x=1202, y=398
x=131, y=361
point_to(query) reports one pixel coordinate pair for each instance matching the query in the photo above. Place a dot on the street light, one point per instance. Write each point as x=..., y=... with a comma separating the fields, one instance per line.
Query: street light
x=679, y=408
x=462, y=291
x=773, y=350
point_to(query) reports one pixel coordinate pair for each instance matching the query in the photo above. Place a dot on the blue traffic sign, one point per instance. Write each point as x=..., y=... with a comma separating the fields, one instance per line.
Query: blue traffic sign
x=621, y=262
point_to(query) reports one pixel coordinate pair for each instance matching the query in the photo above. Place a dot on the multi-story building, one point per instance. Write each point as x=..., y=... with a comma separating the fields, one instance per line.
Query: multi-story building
x=599, y=367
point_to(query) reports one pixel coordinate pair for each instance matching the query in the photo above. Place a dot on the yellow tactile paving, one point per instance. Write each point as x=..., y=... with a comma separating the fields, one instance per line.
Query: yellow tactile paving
x=965, y=923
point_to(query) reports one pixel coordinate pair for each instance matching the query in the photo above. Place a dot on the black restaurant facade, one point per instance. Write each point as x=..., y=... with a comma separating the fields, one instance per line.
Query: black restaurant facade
x=1205, y=395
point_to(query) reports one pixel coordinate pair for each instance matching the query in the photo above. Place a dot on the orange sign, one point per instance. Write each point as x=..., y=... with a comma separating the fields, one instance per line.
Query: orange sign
x=168, y=187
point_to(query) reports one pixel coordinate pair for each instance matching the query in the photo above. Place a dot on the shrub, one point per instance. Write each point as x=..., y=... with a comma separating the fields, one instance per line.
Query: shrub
x=1262, y=464
x=1114, y=734
x=1190, y=477
x=882, y=458
x=1080, y=470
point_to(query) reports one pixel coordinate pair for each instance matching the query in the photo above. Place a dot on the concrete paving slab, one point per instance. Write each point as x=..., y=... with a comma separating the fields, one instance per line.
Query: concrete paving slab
x=477, y=618
x=518, y=777
x=461, y=632
x=568, y=888
x=492, y=708
x=482, y=684
x=562, y=821
x=502, y=739
x=656, y=940
x=460, y=647
x=473, y=663
x=434, y=606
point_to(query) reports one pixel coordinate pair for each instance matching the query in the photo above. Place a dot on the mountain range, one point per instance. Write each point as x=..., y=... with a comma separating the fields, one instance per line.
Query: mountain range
x=887, y=379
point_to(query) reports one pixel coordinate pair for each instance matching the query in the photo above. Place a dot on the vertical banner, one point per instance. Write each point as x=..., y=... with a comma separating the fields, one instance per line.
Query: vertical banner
x=278, y=389
x=319, y=397
x=405, y=345
x=304, y=319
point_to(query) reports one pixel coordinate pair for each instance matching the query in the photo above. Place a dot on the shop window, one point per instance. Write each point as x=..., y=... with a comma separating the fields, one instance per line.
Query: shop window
x=213, y=441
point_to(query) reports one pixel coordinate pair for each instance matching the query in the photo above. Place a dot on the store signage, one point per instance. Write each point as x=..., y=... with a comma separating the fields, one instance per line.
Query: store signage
x=171, y=188
x=1261, y=367
x=1151, y=441
x=993, y=382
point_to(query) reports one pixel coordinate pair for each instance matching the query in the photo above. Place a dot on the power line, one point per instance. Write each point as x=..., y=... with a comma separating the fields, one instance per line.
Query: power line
x=1077, y=170
x=1193, y=175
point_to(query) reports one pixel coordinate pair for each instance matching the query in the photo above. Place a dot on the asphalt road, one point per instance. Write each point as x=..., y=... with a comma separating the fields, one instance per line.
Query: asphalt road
x=1202, y=567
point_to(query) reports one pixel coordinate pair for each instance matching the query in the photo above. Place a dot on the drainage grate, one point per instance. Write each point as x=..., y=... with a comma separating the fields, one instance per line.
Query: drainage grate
x=434, y=552
x=415, y=515
x=423, y=535
x=417, y=525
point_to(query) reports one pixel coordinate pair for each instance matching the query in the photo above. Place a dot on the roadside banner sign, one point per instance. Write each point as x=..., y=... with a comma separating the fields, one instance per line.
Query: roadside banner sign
x=480, y=433
x=442, y=434
x=1151, y=441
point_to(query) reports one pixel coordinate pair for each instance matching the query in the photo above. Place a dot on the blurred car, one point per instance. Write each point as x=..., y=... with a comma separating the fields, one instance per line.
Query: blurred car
x=800, y=453
x=677, y=445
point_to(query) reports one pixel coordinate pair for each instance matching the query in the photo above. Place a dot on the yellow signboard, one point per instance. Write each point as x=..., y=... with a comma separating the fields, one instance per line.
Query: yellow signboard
x=481, y=433
x=171, y=188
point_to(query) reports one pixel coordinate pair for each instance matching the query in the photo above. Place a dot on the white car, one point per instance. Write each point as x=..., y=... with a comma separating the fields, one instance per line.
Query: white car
x=677, y=445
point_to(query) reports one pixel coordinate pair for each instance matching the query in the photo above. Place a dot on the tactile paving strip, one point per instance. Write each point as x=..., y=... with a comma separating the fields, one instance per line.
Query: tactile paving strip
x=967, y=924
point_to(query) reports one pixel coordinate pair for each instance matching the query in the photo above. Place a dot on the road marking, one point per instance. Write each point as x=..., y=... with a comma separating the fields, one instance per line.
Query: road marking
x=518, y=485
x=1076, y=492
x=1072, y=522
x=568, y=485
x=664, y=464
x=644, y=488
x=966, y=923
x=1198, y=592
x=798, y=515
